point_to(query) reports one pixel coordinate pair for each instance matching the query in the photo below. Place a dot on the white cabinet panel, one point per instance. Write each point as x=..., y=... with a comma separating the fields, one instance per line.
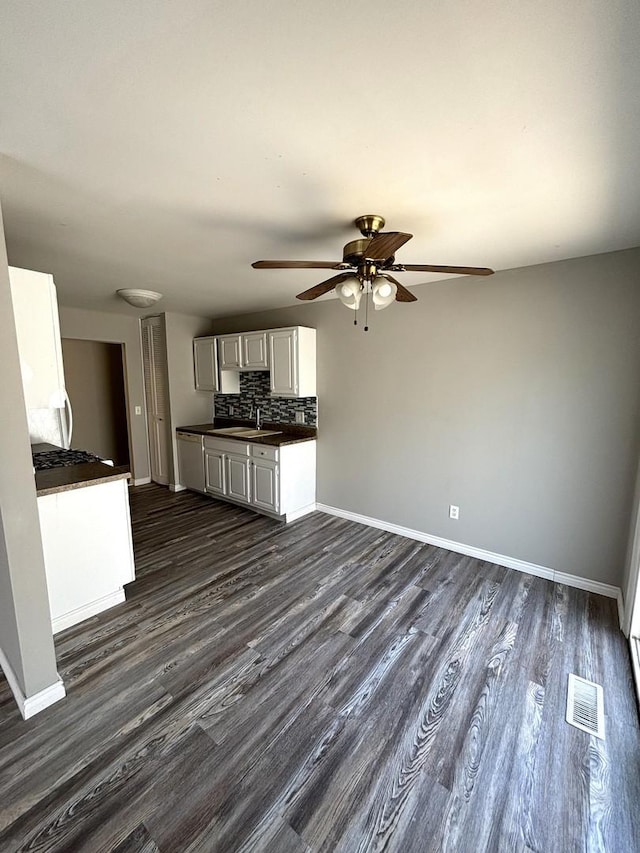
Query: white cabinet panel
x=238, y=486
x=254, y=351
x=264, y=481
x=214, y=472
x=283, y=362
x=292, y=362
x=205, y=364
x=88, y=553
x=229, y=352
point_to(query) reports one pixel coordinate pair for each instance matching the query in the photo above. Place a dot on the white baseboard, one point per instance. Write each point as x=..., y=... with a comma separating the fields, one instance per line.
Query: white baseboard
x=177, y=488
x=87, y=610
x=30, y=705
x=140, y=481
x=622, y=614
x=480, y=554
x=299, y=513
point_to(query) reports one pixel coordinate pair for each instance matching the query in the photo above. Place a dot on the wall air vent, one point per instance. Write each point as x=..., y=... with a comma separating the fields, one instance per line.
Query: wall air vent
x=585, y=705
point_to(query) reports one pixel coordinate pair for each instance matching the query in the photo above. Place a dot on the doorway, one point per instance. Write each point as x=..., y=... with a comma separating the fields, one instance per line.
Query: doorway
x=94, y=377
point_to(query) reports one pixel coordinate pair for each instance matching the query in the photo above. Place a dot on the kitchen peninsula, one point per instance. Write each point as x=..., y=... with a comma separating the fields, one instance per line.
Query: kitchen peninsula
x=86, y=537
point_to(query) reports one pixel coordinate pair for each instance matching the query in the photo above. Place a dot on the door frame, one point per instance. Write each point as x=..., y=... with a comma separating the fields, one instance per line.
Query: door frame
x=125, y=382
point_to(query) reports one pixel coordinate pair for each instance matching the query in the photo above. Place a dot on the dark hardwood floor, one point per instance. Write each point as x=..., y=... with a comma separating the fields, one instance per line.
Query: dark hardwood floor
x=323, y=687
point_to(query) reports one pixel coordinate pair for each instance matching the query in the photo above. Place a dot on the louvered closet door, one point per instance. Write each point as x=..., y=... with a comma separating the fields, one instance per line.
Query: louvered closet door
x=156, y=393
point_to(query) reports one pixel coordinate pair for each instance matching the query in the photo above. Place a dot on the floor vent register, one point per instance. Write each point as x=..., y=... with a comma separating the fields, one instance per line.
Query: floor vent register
x=585, y=705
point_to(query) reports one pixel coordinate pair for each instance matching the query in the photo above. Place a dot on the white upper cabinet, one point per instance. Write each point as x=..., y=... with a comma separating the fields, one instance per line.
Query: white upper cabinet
x=205, y=363
x=230, y=352
x=255, y=355
x=205, y=368
x=292, y=362
x=288, y=354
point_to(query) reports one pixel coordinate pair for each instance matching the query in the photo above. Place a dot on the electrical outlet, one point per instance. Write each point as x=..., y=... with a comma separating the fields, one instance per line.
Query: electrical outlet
x=138, y=410
x=299, y=417
x=454, y=512
x=231, y=411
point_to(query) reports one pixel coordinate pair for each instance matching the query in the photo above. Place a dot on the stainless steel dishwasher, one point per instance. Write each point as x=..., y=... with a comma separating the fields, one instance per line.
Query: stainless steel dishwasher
x=191, y=461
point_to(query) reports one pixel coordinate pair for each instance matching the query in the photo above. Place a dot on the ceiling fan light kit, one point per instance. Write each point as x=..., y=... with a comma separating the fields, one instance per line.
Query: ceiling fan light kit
x=365, y=266
x=350, y=293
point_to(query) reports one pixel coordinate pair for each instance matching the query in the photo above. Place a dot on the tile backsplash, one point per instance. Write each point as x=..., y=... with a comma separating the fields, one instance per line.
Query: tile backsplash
x=255, y=393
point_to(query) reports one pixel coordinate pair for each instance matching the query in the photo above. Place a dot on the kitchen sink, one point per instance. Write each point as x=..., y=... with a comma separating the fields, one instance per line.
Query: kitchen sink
x=229, y=430
x=244, y=432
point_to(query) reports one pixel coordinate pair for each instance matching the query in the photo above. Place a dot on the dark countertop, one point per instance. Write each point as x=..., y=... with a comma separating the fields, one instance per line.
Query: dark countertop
x=289, y=433
x=53, y=480
x=77, y=477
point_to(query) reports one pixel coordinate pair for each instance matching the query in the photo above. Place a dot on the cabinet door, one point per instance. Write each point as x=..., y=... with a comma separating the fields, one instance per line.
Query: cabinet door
x=205, y=364
x=237, y=472
x=214, y=473
x=264, y=481
x=283, y=362
x=229, y=352
x=254, y=351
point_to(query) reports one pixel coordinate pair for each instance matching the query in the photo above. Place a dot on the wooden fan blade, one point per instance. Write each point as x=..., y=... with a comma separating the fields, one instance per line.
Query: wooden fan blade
x=384, y=245
x=296, y=265
x=324, y=286
x=402, y=294
x=436, y=268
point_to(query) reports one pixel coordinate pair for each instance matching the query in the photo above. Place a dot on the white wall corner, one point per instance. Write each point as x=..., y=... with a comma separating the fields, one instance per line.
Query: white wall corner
x=624, y=627
x=550, y=574
x=176, y=487
x=141, y=481
x=31, y=705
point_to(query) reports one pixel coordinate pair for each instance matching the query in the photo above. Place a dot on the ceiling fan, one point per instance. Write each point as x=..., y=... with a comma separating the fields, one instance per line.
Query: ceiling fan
x=365, y=268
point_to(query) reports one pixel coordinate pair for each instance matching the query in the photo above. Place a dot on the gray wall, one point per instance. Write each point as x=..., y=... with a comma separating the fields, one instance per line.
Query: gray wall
x=25, y=621
x=186, y=405
x=94, y=379
x=121, y=329
x=515, y=397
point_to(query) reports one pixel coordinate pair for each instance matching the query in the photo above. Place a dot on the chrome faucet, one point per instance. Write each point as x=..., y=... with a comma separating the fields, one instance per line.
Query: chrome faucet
x=258, y=419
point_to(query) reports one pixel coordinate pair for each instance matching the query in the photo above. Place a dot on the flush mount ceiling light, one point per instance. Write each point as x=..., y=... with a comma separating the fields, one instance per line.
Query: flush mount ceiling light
x=365, y=267
x=139, y=298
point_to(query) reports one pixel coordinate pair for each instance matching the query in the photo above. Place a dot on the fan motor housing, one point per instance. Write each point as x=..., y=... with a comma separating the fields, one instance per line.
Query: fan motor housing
x=354, y=251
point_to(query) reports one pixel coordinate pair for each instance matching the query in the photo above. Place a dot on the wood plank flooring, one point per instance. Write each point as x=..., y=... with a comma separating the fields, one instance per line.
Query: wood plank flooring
x=322, y=686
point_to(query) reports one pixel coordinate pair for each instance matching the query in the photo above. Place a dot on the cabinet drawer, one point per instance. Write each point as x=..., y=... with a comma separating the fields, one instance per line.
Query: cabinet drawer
x=238, y=448
x=264, y=452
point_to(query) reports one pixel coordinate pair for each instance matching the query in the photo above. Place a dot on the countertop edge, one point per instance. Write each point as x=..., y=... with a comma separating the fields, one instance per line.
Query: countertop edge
x=115, y=474
x=269, y=440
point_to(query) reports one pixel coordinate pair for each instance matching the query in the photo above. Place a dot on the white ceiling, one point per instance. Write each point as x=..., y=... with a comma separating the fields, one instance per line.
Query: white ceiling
x=166, y=145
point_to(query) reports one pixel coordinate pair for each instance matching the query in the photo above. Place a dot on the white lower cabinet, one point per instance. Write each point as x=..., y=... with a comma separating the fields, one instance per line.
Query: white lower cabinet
x=238, y=482
x=88, y=551
x=214, y=479
x=279, y=481
x=264, y=484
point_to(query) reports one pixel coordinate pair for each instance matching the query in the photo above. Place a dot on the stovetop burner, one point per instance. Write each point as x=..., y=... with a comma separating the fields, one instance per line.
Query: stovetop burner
x=62, y=458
